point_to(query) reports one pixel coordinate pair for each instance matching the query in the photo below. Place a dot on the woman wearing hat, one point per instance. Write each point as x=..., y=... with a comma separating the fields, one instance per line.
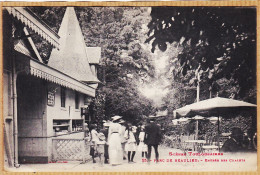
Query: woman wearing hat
x=114, y=142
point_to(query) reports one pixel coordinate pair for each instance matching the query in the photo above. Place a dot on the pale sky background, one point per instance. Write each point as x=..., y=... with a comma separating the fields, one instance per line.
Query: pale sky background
x=156, y=89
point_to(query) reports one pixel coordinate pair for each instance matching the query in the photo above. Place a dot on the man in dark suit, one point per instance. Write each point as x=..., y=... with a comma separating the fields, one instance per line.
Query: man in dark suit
x=152, y=138
x=234, y=144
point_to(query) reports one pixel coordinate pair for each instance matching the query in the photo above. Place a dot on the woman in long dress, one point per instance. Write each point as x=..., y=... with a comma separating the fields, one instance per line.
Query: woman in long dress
x=114, y=140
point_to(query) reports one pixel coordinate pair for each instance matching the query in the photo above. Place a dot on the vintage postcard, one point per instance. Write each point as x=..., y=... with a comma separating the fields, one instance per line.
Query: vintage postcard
x=129, y=87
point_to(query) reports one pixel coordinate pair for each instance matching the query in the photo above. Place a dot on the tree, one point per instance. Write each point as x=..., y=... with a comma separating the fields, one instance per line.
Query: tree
x=53, y=17
x=123, y=58
x=218, y=42
x=124, y=63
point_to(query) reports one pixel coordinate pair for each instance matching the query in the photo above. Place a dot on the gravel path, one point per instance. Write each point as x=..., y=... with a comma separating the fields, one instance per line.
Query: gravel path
x=171, y=160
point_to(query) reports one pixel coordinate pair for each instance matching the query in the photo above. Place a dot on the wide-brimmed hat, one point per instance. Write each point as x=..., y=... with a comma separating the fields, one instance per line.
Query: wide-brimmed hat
x=121, y=121
x=106, y=124
x=116, y=117
x=101, y=136
x=152, y=118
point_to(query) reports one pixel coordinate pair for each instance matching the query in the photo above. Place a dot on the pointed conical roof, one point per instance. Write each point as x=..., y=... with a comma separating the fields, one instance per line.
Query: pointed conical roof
x=71, y=58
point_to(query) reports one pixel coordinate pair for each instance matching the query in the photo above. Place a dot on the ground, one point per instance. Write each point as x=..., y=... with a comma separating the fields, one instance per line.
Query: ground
x=225, y=162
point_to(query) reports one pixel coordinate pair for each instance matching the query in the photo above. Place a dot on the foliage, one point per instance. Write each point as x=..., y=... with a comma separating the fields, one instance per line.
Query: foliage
x=52, y=16
x=124, y=63
x=218, y=43
x=124, y=60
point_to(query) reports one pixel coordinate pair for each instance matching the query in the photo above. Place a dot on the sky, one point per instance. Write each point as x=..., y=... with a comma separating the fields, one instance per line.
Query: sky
x=156, y=89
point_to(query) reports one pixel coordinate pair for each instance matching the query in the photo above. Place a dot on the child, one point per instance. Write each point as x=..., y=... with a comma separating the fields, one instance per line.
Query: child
x=97, y=143
x=100, y=147
x=142, y=146
x=93, y=141
x=130, y=146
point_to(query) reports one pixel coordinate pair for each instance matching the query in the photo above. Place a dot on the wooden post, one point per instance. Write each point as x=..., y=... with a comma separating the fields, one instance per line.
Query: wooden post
x=198, y=87
x=84, y=142
x=15, y=123
x=198, y=99
x=54, y=150
x=197, y=129
x=218, y=134
x=197, y=135
x=14, y=100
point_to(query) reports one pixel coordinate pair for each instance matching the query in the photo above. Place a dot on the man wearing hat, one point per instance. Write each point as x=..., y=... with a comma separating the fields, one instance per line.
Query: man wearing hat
x=152, y=137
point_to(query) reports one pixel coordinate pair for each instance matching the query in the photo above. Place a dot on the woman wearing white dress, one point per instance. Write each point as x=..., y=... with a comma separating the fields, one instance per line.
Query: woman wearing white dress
x=114, y=141
x=130, y=146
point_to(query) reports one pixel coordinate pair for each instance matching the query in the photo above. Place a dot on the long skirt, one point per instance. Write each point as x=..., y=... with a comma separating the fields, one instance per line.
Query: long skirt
x=115, y=150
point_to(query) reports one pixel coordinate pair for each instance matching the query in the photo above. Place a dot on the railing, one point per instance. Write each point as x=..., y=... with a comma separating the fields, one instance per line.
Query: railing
x=187, y=146
x=70, y=150
x=179, y=142
x=188, y=143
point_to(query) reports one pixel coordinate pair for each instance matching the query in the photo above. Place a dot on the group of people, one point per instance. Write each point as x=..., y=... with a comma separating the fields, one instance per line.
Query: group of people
x=119, y=140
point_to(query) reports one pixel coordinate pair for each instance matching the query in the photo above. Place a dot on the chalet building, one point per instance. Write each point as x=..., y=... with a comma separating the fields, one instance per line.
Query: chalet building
x=43, y=102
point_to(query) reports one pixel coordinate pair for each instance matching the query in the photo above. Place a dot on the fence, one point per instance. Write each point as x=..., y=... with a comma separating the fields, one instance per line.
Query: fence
x=70, y=150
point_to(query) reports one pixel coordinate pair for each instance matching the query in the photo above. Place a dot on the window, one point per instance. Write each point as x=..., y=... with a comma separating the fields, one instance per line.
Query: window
x=63, y=96
x=76, y=100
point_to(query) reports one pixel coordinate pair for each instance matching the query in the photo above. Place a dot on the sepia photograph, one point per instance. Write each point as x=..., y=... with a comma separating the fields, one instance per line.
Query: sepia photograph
x=129, y=89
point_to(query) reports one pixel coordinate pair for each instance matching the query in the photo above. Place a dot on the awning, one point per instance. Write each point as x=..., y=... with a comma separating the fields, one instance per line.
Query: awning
x=30, y=20
x=40, y=70
x=214, y=106
x=45, y=72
